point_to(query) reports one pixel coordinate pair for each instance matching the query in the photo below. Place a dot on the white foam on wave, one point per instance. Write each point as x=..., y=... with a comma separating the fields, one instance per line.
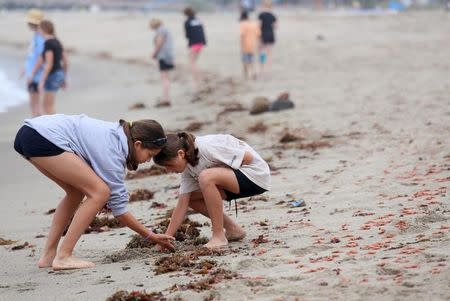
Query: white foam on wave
x=11, y=94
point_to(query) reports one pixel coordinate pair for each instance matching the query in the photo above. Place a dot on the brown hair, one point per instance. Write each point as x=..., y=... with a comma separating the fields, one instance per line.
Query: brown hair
x=189, y=12
x=175, y=142
x=47, y=27
x=148, y=131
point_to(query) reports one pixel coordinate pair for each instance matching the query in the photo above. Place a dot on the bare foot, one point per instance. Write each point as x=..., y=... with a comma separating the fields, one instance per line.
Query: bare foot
x=46, y=259
x=70, y=263
x=235, y=233
x=216, y=243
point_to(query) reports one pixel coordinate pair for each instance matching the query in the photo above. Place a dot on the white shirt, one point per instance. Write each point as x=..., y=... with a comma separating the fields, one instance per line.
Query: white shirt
x=224, y=151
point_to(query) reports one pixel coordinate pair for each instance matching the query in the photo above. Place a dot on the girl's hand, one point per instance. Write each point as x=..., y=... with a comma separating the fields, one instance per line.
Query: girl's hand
x=163, y=240
x=41, y=86
x=64, y=85
x=29, y=80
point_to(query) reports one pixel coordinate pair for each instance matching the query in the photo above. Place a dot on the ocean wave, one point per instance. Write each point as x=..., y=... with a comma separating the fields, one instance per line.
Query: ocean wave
x=11, y=94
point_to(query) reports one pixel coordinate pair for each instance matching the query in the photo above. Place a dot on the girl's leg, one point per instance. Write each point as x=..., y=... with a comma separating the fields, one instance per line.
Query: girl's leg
x=34, y=104
x=268, y=51
x=166, y=85
x=233, y=231
x=70, y=169
x=64, y=212
x=211, y=181
x=193, y=55
x=49, y=102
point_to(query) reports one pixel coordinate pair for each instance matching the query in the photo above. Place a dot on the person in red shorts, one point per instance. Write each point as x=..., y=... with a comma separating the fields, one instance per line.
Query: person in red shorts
x=196, y=41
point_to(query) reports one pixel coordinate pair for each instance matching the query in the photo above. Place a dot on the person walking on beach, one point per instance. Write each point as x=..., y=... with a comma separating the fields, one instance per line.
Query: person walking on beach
x=87, y=158
x=34, y=17
x=249, y=37
x=55, y=64
x=213, y=168
x=163, y=52
x=195, y=35
x=268, y=25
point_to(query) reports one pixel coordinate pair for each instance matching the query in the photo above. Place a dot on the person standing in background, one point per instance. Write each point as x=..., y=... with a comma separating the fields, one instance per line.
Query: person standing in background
x=55, y=64
x=163, y=52
x=34, y=17
x=249, y=36
x=268, y=24
x=195, y=35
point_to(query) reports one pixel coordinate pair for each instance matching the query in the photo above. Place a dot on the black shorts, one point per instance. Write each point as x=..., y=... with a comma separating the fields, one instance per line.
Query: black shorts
x=29, y=143
x=163, y=66
x=246, y=187
x=32, y=87
x=268, y=38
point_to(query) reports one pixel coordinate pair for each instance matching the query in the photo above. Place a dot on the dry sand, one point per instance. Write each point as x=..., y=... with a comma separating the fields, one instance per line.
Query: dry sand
x=376, y=222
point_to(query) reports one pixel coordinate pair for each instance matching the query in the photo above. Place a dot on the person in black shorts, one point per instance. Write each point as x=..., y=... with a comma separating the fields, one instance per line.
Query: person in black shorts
x=268, y=24
x=163, y=52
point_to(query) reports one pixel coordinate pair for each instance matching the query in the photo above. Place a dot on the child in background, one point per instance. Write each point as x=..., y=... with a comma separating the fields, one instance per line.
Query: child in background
x=249, y=36
x=163, y=52
x=34, y=17
x=214, y=168
x=195, y=34
x=55, y=69
x=268, y=24
x=87, y=158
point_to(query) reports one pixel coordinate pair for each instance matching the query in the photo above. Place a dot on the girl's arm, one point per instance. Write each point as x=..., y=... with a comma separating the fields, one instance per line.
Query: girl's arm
x=65, y=66
x=48, y=66
x=158, y=44
x=127, y=219
x=178, y=214
x=36, y=67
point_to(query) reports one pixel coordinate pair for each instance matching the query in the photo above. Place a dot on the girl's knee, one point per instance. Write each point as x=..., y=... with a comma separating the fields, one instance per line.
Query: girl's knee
x=102, y=193
x=205, y=177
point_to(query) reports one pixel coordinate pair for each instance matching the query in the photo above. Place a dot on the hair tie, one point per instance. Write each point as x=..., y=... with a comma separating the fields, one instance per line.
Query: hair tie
x=130, y=123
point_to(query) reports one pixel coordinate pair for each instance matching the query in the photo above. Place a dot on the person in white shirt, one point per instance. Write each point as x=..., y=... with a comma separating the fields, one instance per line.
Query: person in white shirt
x=214, y=168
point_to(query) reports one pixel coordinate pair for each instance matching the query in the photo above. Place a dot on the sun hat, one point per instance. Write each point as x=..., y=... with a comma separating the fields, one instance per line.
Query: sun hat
x=34, y=16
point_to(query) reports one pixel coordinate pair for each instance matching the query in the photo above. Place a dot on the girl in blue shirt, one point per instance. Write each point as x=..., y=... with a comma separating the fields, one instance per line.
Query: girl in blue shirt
x=87, y=158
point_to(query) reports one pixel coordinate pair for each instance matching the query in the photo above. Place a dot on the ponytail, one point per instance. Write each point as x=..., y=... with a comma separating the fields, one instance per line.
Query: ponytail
x=132, y=163
x=149, y=132
x=188, y=142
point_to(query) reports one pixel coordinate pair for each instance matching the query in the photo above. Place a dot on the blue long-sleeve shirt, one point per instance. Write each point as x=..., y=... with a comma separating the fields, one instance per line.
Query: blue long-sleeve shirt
x=102, y=145
x=35, y=50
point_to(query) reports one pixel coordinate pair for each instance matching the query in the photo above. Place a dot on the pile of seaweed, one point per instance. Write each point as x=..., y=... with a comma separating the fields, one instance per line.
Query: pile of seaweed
x=188, y=233
x=140, y=296
x=154, y=170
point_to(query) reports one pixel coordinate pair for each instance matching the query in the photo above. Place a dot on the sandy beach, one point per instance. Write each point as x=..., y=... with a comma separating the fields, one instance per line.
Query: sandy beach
x=366, y=147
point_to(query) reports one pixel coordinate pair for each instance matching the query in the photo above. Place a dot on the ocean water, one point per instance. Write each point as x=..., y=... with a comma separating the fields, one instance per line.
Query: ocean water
x=12, y=89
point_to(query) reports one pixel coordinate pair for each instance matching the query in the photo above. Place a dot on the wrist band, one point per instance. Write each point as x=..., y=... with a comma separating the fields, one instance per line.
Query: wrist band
x=149, y=234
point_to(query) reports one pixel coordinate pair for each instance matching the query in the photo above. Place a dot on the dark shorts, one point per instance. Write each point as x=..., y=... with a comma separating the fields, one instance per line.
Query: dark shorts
x=268, y=38
x=163, y=66
x=29, y=143
x=32, y=87
x=246, y=187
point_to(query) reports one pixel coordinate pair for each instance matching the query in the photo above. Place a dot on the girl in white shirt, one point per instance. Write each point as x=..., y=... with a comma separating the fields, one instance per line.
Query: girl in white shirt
x=214, y=168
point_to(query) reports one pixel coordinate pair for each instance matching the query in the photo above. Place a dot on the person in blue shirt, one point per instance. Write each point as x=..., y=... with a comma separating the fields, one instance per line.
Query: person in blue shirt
x=87, y=158
x=55, y=62
x=34, y=17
